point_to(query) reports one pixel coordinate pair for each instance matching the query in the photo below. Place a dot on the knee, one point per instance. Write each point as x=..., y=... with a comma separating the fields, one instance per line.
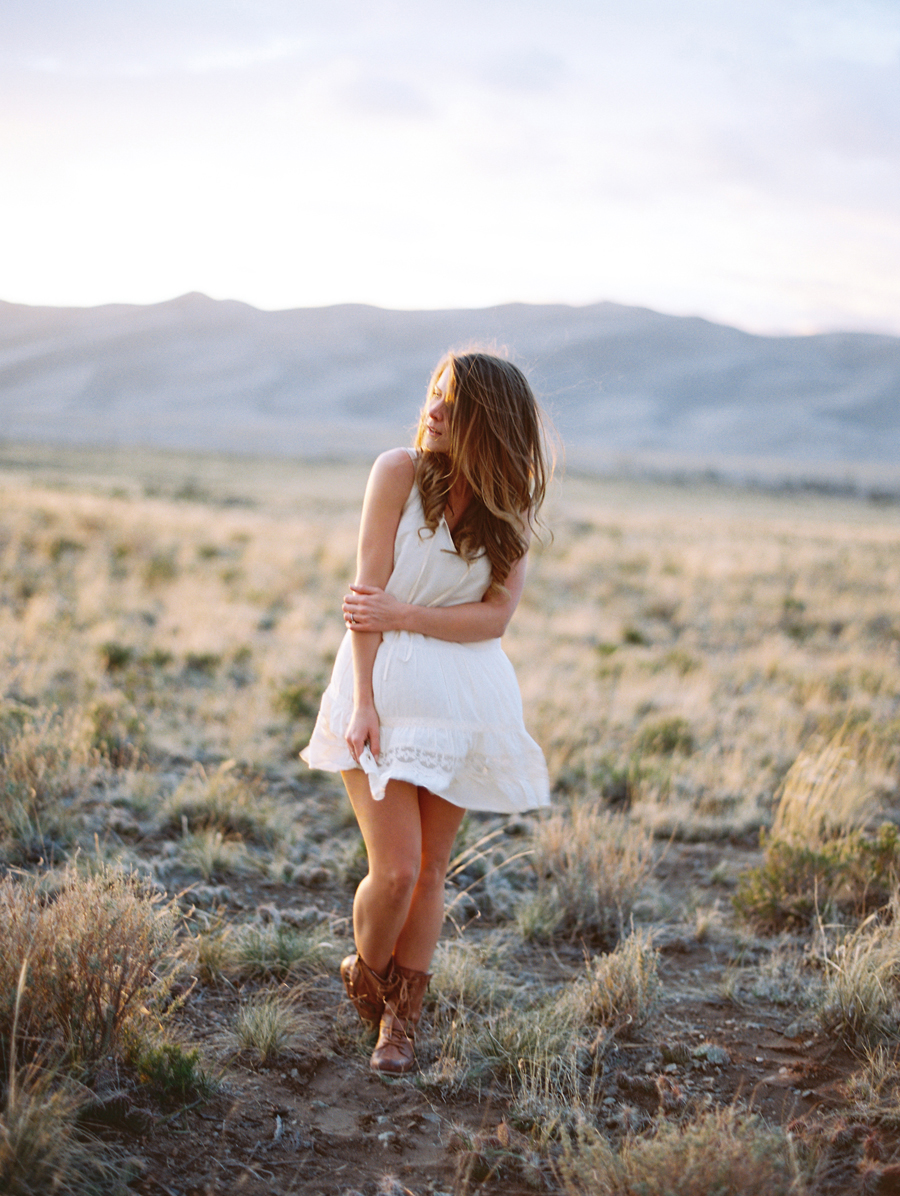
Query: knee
x=433, y=875
x=398, y=880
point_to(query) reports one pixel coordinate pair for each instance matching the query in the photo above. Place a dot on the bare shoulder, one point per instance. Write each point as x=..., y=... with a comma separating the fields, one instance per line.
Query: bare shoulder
x=396, y=460
x=392, y=475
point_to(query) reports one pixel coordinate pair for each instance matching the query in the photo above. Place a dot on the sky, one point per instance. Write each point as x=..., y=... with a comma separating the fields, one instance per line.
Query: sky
x=733, y=159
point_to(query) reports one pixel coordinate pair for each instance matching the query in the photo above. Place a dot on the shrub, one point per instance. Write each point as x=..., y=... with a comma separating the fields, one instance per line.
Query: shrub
x=116, y=656
x=299, y=699
x=156, y=658
x=162, y=567
x=633, y=635
x=174, y=1074
x=117, y=733
x=851, y=875
x=204, y=663
x=90, y=961
x=821, y=853
x=666, y=737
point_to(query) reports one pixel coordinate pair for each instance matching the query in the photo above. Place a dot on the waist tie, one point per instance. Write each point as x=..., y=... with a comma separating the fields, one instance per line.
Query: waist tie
x=405, y=640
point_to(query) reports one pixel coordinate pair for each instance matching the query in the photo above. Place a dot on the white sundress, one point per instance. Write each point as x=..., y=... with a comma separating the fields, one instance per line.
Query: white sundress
x=450, y=714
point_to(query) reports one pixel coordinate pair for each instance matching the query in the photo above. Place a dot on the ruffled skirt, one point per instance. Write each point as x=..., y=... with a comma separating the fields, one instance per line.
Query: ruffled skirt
x=451, y=721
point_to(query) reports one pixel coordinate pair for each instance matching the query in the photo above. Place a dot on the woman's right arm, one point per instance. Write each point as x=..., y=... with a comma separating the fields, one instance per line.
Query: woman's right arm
x=388, y=487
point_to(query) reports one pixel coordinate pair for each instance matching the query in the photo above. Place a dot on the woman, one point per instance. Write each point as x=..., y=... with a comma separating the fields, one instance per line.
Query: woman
x=423, y=716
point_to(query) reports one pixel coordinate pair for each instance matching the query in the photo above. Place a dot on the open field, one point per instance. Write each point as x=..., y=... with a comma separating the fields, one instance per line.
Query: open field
x=690, y=967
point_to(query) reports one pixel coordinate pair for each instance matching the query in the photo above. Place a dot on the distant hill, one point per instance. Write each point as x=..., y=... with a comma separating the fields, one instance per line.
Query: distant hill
x=625, y=386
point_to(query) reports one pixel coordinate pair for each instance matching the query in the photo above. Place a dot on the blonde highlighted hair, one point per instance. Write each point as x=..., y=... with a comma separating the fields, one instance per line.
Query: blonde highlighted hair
x=497, y=444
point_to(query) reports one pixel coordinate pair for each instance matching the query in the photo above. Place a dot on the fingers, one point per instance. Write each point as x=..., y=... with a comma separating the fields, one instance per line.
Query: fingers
x=354, y=745
x=373, y=743
x=351, y=611
x=357, y=614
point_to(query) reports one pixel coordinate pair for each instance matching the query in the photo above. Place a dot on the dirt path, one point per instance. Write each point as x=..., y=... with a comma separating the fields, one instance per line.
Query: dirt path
x=317, y=1120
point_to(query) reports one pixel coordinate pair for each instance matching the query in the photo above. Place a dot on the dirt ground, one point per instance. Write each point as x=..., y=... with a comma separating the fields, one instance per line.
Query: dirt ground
x=318, y=1120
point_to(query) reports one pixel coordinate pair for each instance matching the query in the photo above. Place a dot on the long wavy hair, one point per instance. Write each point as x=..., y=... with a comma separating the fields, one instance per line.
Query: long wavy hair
x=497, y=443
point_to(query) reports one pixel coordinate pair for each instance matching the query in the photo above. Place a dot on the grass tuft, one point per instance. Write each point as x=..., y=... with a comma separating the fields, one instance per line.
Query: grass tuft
x=44, y=1150
x=860, y=1001
x=266, y=1024
x=214, y=857
x=44, y=763
x=665, y=738
x=228, y=802
x=550, y=1050
x=590, y=866
x=619, y=990
x=278, y=951
x=175, y=1074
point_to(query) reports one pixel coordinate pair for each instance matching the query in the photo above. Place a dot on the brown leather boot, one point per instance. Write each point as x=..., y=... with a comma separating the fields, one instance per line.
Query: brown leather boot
x=395, y=1051
x=366, y=989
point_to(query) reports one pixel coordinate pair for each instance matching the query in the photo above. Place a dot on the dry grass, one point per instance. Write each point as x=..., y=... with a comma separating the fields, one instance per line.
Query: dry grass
x=43, y=1149
x=590, y=866
x=874, y=1089
x=266, y=1024
x=76, y=971
x=45, y=765
x=86, y=960
x=226, y=802
x=699, y=664
x=824, y=857
x=860, y=1002
x=723, y=1151
x=834, y=787
x=550, y=1050
x=619, y=991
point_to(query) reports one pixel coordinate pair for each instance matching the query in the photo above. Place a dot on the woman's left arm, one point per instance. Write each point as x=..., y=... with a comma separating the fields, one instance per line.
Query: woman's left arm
x=372, y=609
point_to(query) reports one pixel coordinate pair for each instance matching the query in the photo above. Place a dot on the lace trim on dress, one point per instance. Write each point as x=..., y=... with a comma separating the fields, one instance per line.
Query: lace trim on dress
x=426, y=758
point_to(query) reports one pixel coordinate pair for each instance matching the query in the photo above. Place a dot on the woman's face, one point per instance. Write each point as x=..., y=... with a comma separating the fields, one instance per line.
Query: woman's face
x=437, y=431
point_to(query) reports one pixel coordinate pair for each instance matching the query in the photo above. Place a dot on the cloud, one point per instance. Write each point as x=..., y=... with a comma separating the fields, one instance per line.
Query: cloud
x=529, y=70
x=375, y=95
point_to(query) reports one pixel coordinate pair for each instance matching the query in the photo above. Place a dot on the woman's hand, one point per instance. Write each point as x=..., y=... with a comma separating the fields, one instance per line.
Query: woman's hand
x=368, y=608
x=364, y=731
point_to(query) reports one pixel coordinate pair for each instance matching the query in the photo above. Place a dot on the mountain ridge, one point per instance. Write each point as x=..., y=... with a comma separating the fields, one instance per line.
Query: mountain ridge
x=622, y=384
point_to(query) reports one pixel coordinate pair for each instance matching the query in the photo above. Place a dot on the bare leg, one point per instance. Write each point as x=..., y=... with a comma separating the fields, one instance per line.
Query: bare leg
x=392, y=830
x=417, y=940
x=399, y=906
